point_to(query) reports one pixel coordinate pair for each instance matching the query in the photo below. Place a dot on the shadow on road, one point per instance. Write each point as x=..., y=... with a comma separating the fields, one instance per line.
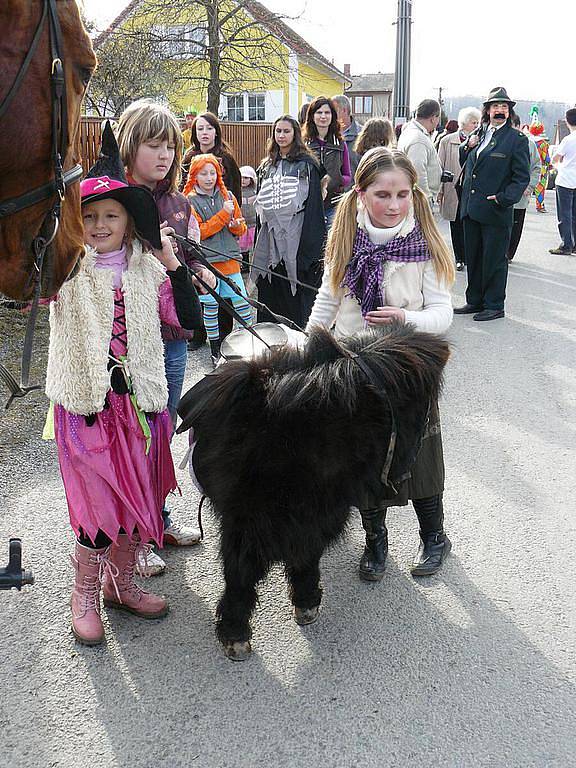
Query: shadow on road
x=389, y=671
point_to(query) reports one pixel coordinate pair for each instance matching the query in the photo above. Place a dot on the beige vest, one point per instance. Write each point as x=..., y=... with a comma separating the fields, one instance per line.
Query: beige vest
x=81, y=321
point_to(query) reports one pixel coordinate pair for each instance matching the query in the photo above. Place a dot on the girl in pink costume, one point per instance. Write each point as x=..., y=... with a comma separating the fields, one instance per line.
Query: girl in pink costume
x=106, y=380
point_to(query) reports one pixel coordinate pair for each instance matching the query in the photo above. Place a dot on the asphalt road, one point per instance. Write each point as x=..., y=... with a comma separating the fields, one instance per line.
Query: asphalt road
x=473, y=667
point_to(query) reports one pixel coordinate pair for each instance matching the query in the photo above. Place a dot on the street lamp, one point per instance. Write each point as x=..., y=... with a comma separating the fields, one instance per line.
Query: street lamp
x=402, y=71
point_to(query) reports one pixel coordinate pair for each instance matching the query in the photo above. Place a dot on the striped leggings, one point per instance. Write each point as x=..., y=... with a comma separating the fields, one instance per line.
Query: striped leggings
x=210, y=306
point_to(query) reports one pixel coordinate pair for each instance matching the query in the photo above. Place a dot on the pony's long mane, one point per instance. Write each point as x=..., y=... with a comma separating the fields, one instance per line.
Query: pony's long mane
x=403, y=362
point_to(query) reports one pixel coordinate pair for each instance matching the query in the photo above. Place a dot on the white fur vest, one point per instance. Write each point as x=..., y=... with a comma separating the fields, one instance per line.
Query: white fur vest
x=81, y=321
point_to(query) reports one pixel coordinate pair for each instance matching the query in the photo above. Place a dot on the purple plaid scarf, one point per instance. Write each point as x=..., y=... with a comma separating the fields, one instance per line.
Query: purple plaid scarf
x=363, y=277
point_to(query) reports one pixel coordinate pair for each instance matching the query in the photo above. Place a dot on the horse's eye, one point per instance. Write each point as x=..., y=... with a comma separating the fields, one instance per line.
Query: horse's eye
x=85, y=75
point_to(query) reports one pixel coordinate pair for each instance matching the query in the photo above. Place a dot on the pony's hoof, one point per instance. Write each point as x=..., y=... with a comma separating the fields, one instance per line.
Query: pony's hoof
x=238, y=650
x=303, y=616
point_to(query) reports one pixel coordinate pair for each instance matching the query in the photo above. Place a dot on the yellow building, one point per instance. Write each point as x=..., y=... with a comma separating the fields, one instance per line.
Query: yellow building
x=267, y=69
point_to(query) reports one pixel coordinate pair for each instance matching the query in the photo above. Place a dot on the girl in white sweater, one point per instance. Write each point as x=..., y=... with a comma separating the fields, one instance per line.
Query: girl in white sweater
x=386, y=262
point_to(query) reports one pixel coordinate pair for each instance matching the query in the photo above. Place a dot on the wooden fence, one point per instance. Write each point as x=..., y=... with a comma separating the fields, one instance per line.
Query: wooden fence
x=248, y=140
x=90, y=132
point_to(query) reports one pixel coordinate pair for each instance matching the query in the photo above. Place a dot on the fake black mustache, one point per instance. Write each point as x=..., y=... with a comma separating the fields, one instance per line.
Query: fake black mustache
x=499, y=115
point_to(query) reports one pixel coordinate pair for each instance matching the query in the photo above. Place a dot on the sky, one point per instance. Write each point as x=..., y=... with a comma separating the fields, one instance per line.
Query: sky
x=463, y=47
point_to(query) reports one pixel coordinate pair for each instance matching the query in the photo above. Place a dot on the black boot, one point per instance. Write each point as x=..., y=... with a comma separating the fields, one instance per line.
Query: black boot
x=434, y=544
x=373, y=560
x=198, y=340
x=215, y=350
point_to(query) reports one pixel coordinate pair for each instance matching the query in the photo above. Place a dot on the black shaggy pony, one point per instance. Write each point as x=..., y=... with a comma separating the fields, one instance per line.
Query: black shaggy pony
x=288, y=442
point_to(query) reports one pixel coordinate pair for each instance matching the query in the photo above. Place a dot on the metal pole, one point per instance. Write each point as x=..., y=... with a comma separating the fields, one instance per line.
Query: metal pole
x=403, y=52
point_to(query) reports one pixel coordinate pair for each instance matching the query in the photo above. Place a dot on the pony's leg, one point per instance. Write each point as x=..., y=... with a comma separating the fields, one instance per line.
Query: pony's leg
x=243, y=569
x=305, y=590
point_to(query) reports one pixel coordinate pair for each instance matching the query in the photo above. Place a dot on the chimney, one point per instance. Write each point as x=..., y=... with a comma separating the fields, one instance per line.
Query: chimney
x=347, y=70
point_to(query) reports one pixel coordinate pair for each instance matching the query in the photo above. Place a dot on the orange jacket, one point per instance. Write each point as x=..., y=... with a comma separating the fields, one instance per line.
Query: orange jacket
x=217, y=222
x=220, y=220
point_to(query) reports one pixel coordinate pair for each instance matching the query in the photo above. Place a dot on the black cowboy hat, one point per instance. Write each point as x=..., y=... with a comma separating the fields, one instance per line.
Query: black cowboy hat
x=107, y=180
x=497, y=95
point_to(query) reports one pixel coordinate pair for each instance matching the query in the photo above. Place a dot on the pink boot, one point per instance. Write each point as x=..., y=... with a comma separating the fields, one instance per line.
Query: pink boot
x=85, y=602
x=119, y=588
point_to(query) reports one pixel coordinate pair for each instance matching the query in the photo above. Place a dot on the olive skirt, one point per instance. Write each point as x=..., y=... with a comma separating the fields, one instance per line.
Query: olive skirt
x=427, y=473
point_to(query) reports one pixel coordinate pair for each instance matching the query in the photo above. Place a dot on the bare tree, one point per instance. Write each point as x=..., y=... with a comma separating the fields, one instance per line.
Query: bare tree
x=212, y=46
x=129, y=68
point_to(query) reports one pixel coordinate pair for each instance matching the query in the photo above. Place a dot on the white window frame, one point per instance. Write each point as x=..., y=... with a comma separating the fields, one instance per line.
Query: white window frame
x=235, y=107
x=363, y=105
x=235, y=111
x=259, y=107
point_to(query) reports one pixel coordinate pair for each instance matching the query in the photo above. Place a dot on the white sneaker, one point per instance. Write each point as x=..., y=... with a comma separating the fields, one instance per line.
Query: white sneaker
x=178, y=535
x=149, y=563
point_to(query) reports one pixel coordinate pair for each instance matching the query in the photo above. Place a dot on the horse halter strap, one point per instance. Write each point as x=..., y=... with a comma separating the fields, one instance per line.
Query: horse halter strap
x=59, y=118
x=58, y=185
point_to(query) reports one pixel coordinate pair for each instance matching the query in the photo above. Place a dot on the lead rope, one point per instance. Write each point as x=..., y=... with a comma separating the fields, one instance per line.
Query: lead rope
x=204, y=497
x=226, y=307
x=384, y=475
x=222, y=256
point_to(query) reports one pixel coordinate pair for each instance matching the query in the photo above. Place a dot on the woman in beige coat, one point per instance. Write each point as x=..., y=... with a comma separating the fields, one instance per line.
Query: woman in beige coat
x=448, y=154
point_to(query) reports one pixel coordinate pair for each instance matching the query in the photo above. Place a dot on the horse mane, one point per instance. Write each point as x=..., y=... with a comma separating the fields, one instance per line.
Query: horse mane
x=403, y=366
x=404, y=363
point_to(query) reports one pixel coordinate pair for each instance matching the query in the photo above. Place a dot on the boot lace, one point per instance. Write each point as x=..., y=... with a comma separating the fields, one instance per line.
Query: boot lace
x=108, y=572
x=89, y=592
x=127, y=583
x=145, y=550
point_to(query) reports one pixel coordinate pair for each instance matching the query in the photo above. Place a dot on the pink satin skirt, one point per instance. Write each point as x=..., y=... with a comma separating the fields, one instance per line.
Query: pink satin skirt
x=110, y=481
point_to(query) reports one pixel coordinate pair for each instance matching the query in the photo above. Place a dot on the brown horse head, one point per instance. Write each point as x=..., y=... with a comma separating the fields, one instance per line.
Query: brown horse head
x=26, y=143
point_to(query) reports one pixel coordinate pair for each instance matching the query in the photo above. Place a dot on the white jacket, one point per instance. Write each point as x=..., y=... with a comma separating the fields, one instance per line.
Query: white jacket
x=411, y=286
x=81, y=319
x=415, y=142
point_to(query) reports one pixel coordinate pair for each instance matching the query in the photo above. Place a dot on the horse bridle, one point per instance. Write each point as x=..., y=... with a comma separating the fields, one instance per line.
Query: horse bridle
x=58, y=185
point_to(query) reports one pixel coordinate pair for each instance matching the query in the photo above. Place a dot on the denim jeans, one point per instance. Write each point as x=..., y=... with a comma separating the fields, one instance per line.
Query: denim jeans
x=566, y=211
x=175, y=354
x=329, y=214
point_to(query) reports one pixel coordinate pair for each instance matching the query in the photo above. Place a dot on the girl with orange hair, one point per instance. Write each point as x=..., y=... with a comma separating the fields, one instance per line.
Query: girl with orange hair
x=221, y=223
